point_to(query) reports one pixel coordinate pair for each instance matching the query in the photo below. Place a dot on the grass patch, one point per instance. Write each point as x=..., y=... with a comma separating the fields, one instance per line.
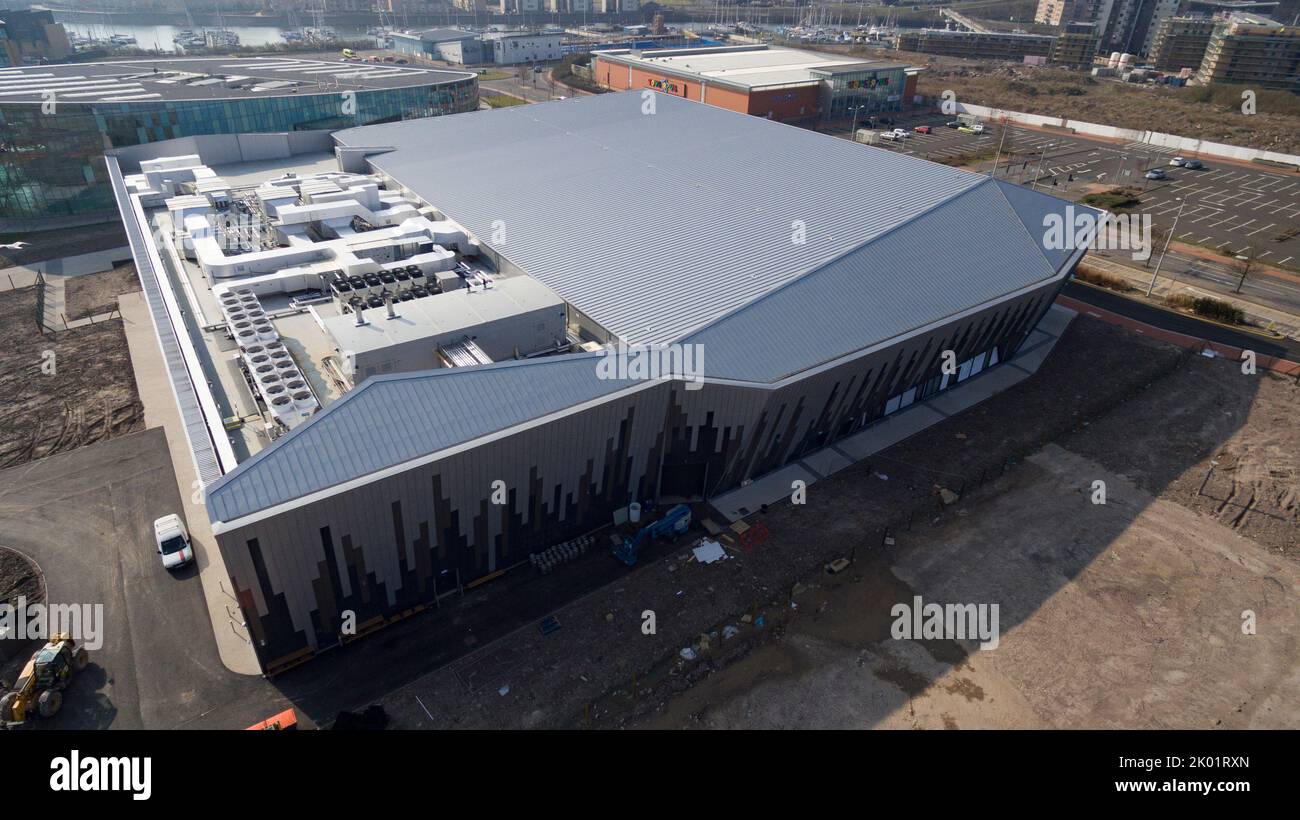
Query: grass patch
x=963, y=159
x=1109, y=281
x=490, y=75
x=501, y=100
x=1116, y=199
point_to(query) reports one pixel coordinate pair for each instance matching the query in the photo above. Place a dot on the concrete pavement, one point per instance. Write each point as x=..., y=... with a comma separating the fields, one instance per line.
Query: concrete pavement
x=1176, y=278
x=160, y=411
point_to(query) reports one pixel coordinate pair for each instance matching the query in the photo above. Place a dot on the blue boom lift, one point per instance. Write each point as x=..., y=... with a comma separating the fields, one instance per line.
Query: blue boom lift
x=675, y=522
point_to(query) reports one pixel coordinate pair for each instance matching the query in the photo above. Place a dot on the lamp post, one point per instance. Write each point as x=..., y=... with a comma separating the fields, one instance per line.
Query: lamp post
x=1039, y=170
x=1168, y=237
x=853, y=132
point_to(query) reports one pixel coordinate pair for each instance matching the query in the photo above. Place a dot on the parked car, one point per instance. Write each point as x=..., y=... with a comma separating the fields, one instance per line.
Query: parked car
x=1156, y=173
x=923, y=129
x=892, y=135
x=537, y=69
x=966, y=129
x=1193, y=165
x=978, y=128
x=955, y=123
x=1178, y=162
x=173, y=541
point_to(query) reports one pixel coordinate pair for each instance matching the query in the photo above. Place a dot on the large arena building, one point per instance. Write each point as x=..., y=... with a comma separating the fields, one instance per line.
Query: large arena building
x=424, y=334
x=56, y=121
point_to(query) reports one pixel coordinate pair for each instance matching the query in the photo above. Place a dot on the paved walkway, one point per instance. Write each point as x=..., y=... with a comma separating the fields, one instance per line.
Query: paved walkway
x=160, y=411
x=743, y=501
x=1262, y=361
x=1285, y=323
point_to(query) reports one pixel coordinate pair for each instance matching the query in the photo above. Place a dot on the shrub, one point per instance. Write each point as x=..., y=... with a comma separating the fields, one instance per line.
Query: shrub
x=1218, y=310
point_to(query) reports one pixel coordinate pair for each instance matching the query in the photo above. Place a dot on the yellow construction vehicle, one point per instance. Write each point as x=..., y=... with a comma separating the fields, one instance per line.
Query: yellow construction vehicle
x=42, y=681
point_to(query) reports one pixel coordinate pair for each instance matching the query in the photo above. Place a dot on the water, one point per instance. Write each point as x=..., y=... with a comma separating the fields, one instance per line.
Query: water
x=159, y=38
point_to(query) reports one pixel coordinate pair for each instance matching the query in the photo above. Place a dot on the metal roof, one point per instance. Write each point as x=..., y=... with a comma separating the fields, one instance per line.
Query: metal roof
x=971, y=250
x=692, y=241
x=656, y=224
x=192, y=79
x=439, y=35
x=389, y=420
x=747, y=66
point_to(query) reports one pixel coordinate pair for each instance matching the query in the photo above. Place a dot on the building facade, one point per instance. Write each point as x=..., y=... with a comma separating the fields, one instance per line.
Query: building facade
x=782, y=84
x=55, y=134
x=448, y=45
x=31, y=38
x=1075, y=46
x=976, y=45
x=508, y=48
x=1253, y=50
x=1180, y=43
x=1121, y=25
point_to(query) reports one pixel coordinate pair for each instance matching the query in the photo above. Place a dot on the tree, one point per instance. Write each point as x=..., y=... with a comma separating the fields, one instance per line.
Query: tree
x=1245, y=265
x=1159, y=235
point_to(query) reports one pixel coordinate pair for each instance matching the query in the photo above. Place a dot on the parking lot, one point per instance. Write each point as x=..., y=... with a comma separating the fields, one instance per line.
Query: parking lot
x=1226, y=207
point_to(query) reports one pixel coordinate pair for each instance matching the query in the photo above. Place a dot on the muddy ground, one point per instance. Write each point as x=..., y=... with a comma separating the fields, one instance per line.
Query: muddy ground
x=1211, y=113
x=60, y=391
x=96, y=293
x=20, y=580
x=1142, y=415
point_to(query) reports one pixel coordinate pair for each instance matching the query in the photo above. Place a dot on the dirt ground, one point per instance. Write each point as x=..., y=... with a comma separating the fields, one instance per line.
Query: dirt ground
x=60, y=391
x=1126, y=615
x=19, y=578
x=1155, y=568
x=1211, y=113
x=96, y=293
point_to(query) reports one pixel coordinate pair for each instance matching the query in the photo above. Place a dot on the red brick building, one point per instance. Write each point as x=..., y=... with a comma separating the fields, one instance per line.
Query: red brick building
x=790, y=85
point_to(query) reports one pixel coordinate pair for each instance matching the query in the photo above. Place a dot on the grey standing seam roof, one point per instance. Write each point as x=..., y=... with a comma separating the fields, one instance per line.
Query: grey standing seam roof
x=388, y=420
x=691, y=242
x=656, y=224
x=966, y=252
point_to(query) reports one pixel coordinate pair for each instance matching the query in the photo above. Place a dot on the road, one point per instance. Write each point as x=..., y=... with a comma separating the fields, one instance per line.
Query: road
x=1288, y=349
x=538, y=90
x=1261, y=286
x=86, y=518
x=1231, y=208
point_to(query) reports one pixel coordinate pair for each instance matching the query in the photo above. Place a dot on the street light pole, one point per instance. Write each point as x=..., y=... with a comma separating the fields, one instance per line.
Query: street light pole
x=1168, y=238
x=1039, y=170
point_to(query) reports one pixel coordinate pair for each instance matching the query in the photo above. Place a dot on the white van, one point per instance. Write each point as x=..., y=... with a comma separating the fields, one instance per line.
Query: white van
x=173, y=541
